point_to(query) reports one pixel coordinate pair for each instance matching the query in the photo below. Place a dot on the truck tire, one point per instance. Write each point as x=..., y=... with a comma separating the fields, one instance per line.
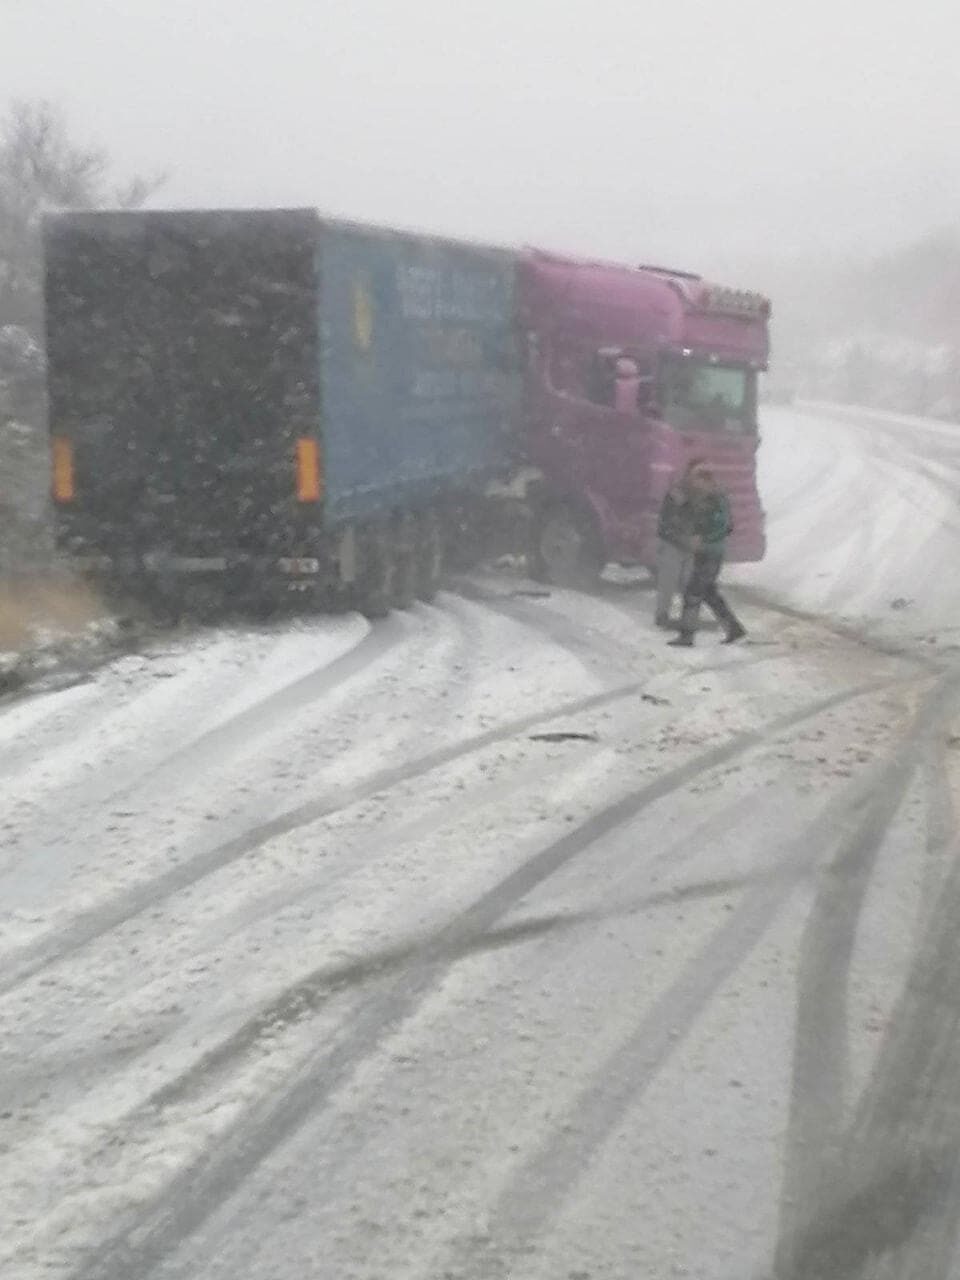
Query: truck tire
x=430, y=556
x=376, y=586
x=463, y=535
x=566, y=548
x=406, y=548
x=163, y=599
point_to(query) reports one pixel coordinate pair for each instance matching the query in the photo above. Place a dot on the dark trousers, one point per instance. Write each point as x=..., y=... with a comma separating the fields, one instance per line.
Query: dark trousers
x=702, y=589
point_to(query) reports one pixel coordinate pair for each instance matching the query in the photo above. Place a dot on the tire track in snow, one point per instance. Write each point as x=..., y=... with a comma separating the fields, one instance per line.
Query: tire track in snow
x=215, y=742
x=60, y=1070
x=889, y=1193
x=907, y=1129
x=211, y=746
x=85, y=1062
x=249, y=814
x=22, y=727
x=196, y=1193
x=843, y=631
x=313, y=992
x=207, y=666
x=86, y=927
x=98, y=921
x=815, y=1125
x=588, y=645
x=891, y=444
x=307, y=996
x=586, y=642
x=537, y=1191
x=567, y=631
x=942, y=827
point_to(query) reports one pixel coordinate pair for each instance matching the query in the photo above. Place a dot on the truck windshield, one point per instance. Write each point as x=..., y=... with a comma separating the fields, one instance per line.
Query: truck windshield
x=696, y=394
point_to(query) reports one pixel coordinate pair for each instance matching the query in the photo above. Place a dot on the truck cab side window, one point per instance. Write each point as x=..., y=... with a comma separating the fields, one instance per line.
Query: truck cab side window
x=647, y=398
x=602, y=379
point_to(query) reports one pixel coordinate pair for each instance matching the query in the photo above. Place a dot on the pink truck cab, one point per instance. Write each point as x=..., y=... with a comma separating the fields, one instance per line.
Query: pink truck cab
x=630, y=374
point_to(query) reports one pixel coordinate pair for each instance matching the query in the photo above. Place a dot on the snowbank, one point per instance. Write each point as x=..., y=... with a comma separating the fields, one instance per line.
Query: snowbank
x=862, y=516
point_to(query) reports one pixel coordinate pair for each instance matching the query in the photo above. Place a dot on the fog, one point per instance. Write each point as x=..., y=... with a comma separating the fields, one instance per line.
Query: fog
x=702, y=134
x=804, y=150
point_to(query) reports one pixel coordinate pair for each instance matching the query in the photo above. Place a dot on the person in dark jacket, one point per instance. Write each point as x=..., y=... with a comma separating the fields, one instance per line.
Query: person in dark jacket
x=711, y=525
x=674, y=550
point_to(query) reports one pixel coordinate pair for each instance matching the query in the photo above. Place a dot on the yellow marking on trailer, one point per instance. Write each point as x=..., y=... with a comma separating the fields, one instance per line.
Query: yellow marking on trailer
x=64, y=487
x=309, y=470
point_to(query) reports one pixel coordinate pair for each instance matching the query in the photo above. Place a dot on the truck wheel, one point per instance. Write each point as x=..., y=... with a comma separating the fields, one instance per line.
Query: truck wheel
x=430, y=557
x=463, y=540
x=406, y=553
x=164, y=600
x=378, y=574
x=566, y=550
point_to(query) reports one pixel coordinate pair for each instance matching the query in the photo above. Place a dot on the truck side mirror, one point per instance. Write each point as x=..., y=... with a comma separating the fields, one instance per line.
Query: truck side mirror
x=625, y=388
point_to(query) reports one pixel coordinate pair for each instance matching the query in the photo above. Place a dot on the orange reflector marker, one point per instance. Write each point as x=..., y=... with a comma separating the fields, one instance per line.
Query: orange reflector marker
x=63, y=484
x=309, y=470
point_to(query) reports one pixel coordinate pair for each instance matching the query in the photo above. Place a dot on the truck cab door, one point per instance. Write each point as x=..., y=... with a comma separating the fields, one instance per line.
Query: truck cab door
x=615, y=442
x=588, y=435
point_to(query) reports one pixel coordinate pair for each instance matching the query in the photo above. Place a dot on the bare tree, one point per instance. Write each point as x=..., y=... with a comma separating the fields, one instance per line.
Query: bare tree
x=42, y=169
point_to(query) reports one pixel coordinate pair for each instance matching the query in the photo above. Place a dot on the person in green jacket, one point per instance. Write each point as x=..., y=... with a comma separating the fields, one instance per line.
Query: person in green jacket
x=711, y=523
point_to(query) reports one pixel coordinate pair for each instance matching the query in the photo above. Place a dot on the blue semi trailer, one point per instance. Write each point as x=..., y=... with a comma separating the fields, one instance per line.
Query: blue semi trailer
x=273, y=401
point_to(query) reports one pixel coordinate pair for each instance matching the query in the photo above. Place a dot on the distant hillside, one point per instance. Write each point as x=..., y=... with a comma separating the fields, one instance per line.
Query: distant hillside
x=883, y=332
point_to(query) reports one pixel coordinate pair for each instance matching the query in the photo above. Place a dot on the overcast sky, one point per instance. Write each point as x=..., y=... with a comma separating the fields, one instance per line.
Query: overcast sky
x=689, y=130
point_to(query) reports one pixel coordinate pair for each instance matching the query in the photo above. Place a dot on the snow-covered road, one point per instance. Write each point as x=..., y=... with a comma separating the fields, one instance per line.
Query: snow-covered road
x=498, y=940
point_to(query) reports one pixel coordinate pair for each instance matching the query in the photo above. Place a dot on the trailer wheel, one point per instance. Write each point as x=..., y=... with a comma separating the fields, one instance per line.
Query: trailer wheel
x=163, y=599
x=430, y=556
x=406, y=553
x=463, y=534
x=567, y=550
x=378, y=574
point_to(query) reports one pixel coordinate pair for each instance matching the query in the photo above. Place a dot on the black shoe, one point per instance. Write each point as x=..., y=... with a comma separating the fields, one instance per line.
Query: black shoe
x=662, y=620
x=734, y=633
x=683, y=641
